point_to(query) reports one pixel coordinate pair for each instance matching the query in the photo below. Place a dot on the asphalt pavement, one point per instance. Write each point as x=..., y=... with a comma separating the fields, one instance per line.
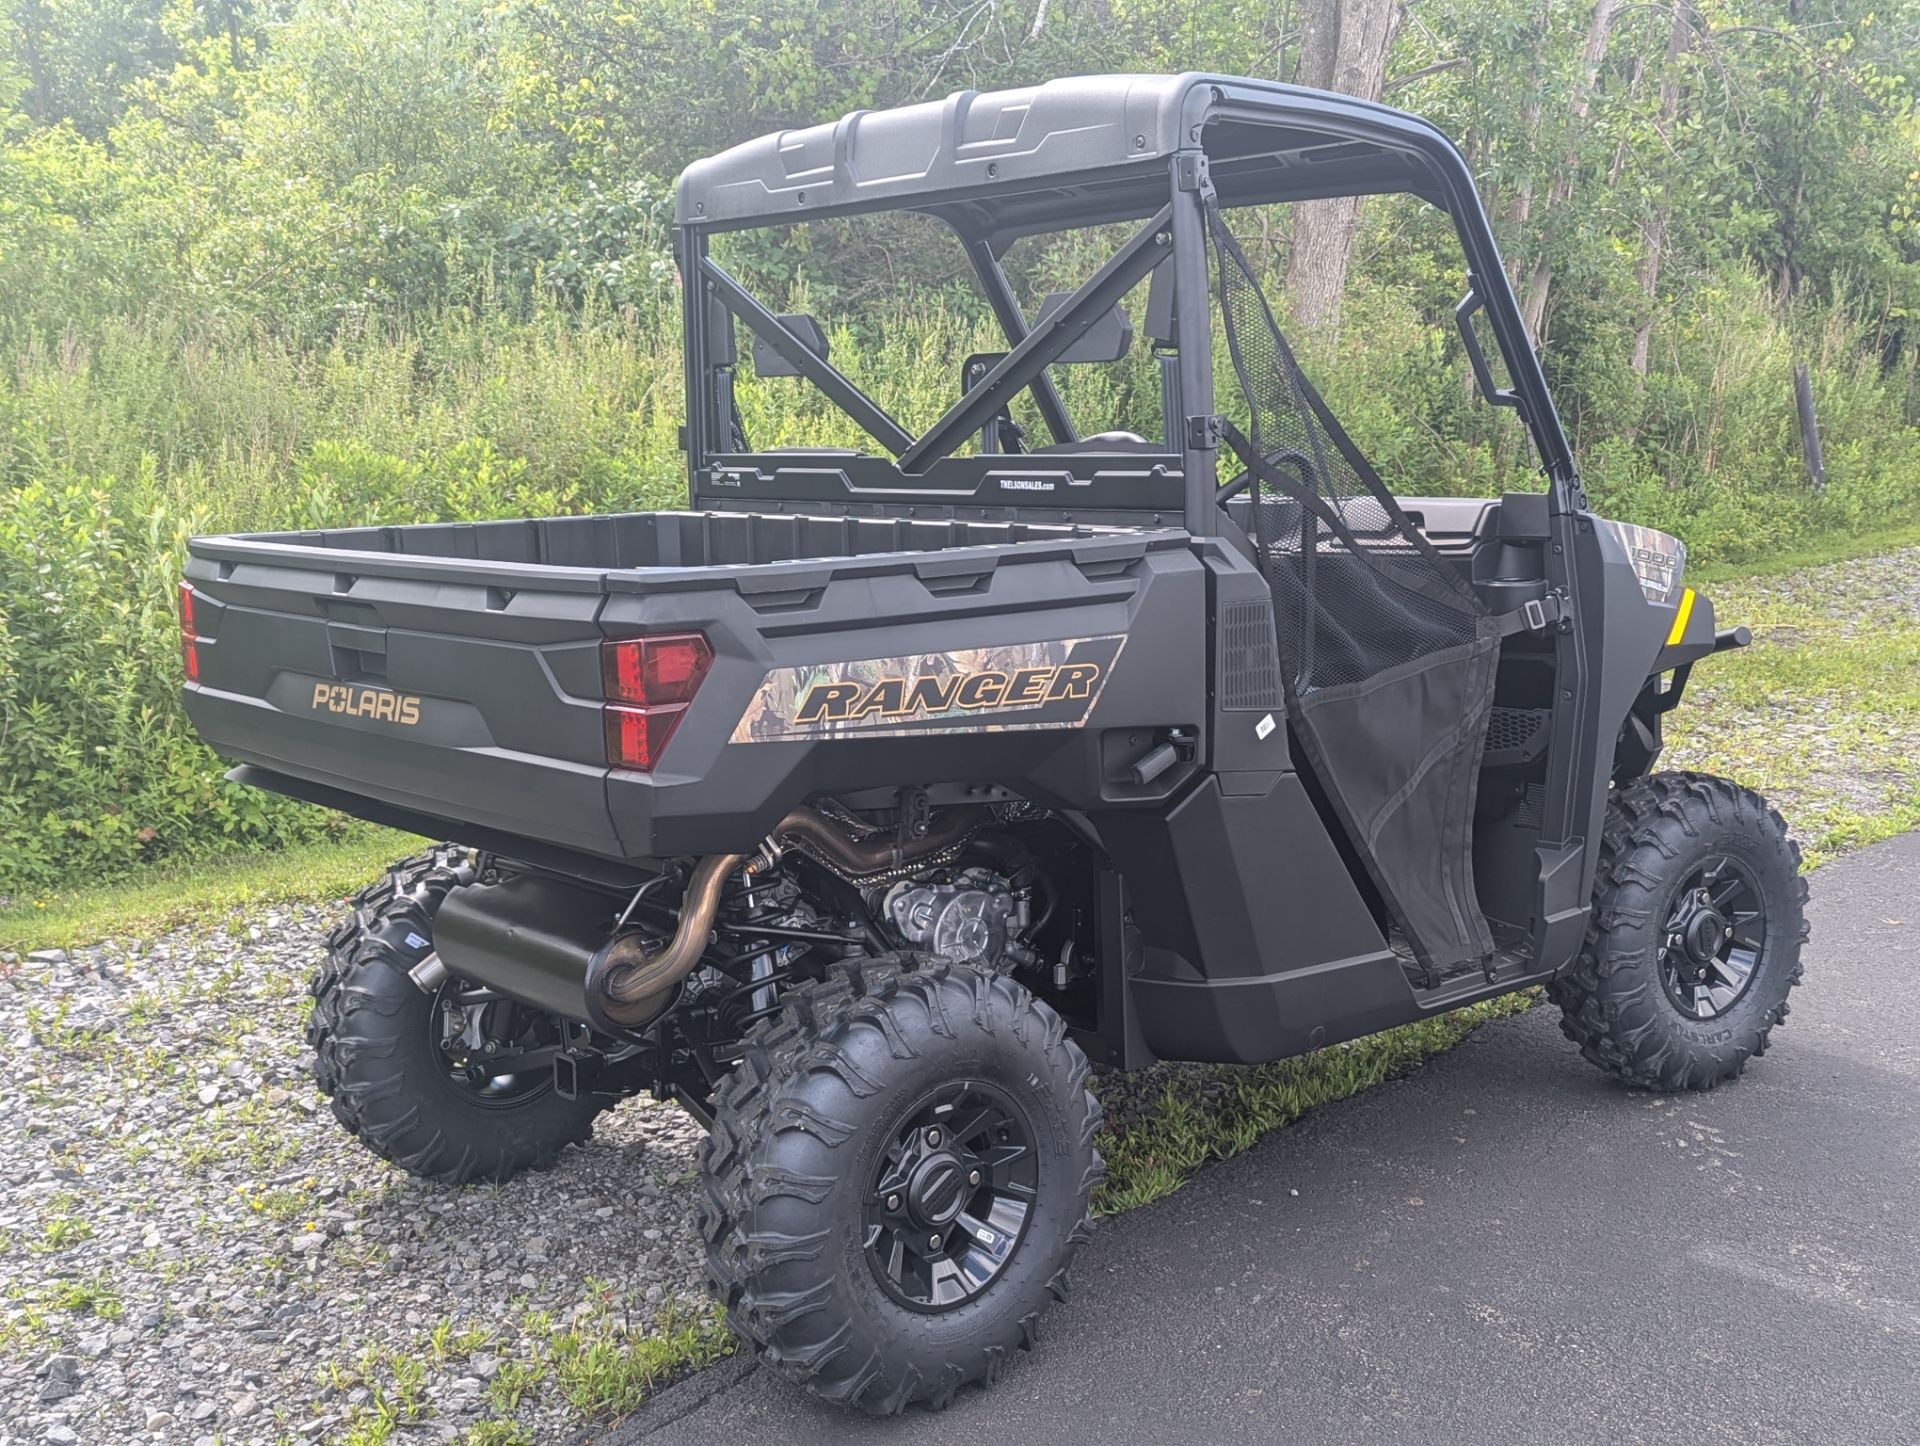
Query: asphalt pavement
x=1505, y=1246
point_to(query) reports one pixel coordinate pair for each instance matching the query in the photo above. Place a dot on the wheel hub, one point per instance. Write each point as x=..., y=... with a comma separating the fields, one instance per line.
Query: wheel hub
x=950, y=1196
x=493, y=1050
x=1706, y=934
x=1713, y=936
x=938, y=1190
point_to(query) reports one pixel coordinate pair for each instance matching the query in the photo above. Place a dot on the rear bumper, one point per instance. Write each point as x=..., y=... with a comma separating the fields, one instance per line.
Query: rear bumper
x=491, y=788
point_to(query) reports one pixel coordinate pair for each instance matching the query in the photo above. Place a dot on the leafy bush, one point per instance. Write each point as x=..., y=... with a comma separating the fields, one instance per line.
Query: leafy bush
x=115, y=452
x=99, y=771
x=312, y=263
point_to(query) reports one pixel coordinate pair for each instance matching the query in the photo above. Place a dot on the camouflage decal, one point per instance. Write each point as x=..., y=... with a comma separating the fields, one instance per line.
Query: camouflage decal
x=1658, y=558
x=972, y=690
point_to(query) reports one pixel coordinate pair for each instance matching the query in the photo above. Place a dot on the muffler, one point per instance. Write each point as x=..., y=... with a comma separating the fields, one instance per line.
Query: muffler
x=528, y=937
x=555, y=946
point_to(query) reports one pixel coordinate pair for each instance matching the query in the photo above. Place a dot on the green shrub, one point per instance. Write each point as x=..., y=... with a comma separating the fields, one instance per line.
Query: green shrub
x=99, y=772
x=115, y=449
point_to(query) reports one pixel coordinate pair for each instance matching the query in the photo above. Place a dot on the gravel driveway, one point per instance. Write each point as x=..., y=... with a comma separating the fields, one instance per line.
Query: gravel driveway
x=194, y=1250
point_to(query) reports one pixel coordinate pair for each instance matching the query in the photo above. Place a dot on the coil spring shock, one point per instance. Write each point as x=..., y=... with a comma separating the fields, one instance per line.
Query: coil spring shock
x=749, y=907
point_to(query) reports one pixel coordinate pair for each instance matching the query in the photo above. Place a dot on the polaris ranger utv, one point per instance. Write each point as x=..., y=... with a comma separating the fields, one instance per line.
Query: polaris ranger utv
x=861, y=804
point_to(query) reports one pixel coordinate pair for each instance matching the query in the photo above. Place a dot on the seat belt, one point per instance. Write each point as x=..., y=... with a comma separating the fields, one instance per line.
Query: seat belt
x=1535, y=615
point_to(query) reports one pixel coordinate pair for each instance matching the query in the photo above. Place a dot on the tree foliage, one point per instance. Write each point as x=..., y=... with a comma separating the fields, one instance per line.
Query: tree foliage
x=312, y=262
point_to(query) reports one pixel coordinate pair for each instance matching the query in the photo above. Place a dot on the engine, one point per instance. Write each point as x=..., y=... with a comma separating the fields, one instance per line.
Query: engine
x=977, y=884
x=969, y=914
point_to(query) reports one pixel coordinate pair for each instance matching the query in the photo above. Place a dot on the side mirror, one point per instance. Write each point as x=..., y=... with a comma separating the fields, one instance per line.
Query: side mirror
x=1106, y=340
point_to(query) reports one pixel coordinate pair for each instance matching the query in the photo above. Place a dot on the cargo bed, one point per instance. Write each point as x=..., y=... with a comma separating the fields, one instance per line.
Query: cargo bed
x=447, y=677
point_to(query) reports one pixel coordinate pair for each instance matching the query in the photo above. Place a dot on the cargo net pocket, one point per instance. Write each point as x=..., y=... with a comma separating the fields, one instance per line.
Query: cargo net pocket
x=1386, y=656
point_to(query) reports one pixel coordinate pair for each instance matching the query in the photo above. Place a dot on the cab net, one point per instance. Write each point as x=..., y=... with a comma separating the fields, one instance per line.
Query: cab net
x=1386, y=655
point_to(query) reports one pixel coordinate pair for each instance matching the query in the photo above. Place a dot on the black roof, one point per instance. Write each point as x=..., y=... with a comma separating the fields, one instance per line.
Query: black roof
x=1073, y=151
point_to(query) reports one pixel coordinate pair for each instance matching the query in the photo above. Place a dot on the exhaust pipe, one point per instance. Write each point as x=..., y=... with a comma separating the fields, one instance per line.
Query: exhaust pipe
x=630, y=981
x=883, y=852
x=555, y=946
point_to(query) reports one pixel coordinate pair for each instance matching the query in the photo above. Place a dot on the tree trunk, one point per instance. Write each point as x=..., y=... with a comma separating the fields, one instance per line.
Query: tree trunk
x=1654, y=234
x=1343, y=47
x=1620, y=147
x=1319, y=43
x=1520, y=208
x=38, y=100
x=1533, y=305
x=1809, y=429
x=1790, y=236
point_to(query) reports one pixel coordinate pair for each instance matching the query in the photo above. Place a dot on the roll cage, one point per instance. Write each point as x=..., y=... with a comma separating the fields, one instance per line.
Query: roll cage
x=1153, y=150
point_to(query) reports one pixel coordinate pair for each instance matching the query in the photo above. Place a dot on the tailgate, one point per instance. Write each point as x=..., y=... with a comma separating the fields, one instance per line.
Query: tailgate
x=453, y=688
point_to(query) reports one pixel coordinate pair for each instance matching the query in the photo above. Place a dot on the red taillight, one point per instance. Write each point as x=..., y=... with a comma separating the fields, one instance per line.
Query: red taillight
x=648, y=683
x=654, y=672
x=635, y=736
x=189, y=636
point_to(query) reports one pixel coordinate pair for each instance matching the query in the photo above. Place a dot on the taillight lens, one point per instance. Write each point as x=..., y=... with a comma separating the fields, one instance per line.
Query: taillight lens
x=189, y=636
x=635, y=736
x=648, y=683
x=657, y=671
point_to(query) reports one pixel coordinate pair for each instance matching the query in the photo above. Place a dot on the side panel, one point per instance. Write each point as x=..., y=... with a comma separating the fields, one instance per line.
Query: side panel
x=1255, y=940
x=759, y=738
x=1258, y=944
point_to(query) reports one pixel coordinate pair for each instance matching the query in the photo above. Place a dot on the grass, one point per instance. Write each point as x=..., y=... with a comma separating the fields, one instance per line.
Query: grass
x=174, y=894
x=1828, y=548
x=605, y=1375
x=1822, y=713
x=603, y=1364
x=1160, y=1152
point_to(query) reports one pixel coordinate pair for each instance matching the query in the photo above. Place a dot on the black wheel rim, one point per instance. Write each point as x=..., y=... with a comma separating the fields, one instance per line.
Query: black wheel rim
x=1711, y=944
x=950, y=1199
x=496, y=1052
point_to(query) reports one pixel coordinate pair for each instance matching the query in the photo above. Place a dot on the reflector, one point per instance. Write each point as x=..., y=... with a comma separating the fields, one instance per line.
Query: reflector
x=189, y=637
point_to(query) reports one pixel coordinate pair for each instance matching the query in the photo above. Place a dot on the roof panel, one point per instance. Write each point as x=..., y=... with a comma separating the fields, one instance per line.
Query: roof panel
x=1067, y=133
x=968, y=140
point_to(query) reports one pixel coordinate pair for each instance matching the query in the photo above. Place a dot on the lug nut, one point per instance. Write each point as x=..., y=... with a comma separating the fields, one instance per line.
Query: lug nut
x=893, y=1202
x=973, y=1177
x=933, y=1136
x=933, y=1241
